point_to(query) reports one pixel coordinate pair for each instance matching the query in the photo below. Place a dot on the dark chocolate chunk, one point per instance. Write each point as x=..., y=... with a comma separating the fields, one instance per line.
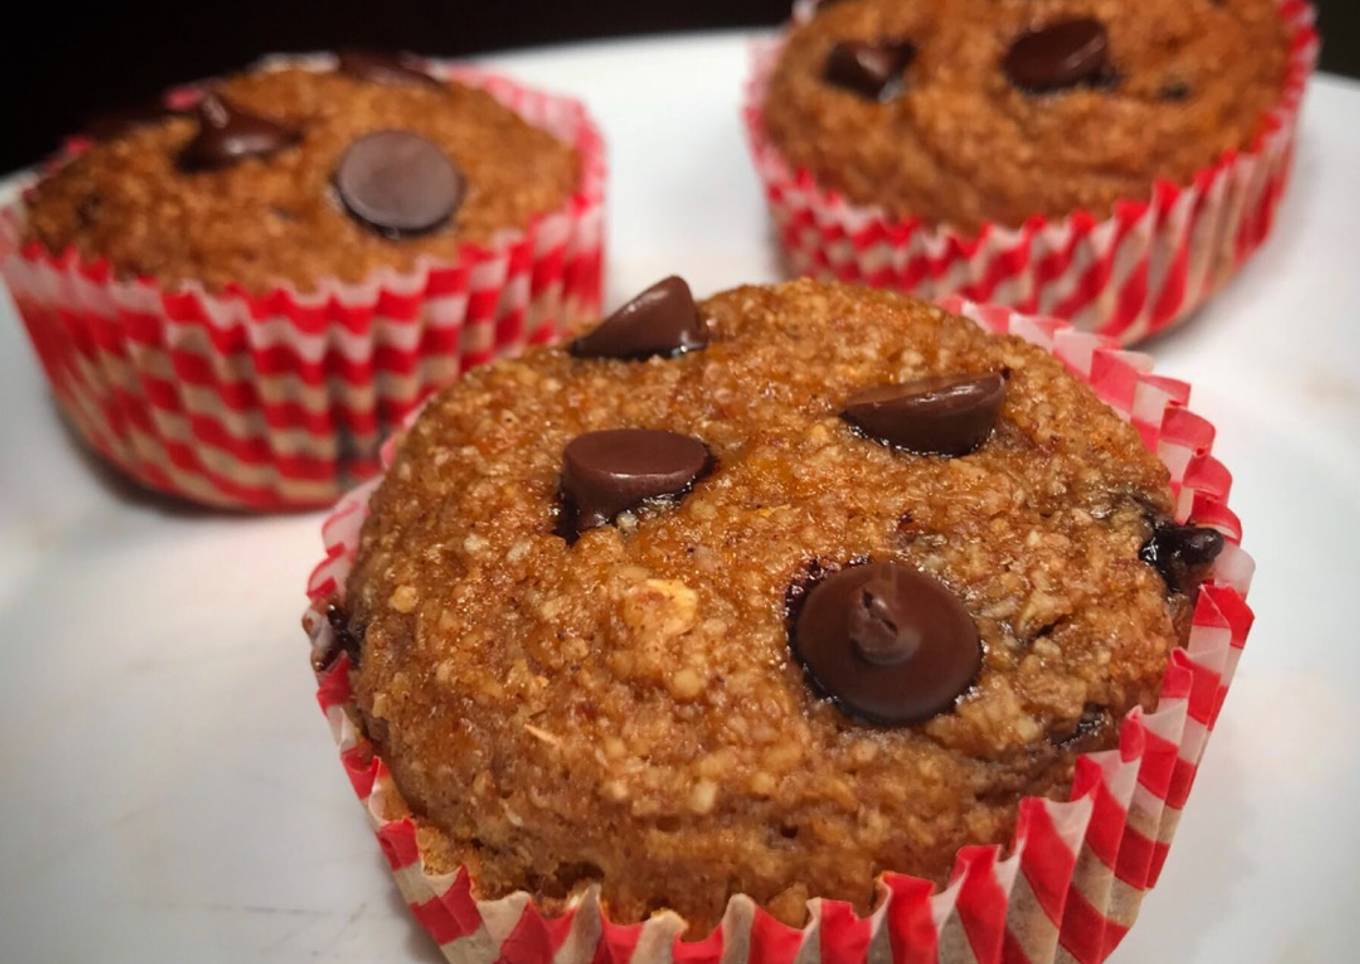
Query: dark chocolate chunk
x=1059, y=55
x=663, y=320
x=343, y=639
x=944, y=415
x=227, y=134
x=887, y=643
x=1182, y=554
x=382, y=67
x=398, y=183
x=872, y=70
x=605, y=473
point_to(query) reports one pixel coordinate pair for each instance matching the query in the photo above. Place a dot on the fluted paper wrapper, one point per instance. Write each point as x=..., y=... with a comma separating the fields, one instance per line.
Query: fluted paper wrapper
x=1068, y=887
x=1147, y=266
x=281, y=399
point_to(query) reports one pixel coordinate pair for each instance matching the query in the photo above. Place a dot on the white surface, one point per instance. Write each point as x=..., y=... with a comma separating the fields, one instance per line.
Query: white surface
x=171, y=793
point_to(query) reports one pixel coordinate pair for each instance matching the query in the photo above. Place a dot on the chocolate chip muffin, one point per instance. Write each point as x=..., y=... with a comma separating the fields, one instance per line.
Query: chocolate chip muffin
x=295, y=174
x=766, y=594
x=965, y=112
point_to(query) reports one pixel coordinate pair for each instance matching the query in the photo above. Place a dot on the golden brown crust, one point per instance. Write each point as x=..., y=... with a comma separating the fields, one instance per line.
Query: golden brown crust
x=626, y=709
x=272, y=219
x=963, y=146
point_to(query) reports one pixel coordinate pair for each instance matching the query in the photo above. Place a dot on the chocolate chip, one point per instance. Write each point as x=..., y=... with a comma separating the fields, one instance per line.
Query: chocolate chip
x=870, y=69
x=663, y=320
x=944, y=415
x=1182, y=554
x=381, y=67
x=343, y=639
x=227, y=134
x=887, y=643
x=398, y=183
x=605, y=473
x=1059, y=55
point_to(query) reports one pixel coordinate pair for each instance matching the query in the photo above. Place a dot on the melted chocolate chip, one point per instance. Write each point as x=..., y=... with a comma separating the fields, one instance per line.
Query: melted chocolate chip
x=227, y=134
x=872, y=70
x=944, y=415
x=380, y=67
x=343, y=639
x=887, y=643
x=663, y=320
x=1086, y=730
x=398, y=183
x=605, y=473
x=1182, y=554
x=1059, y=55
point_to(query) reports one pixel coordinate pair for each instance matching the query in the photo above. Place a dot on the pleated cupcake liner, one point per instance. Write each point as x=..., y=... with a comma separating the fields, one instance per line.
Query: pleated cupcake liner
x=1067, y=888
x=1141, y=270
x=281, y=399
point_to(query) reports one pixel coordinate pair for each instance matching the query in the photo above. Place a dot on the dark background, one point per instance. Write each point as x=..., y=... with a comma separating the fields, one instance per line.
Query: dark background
x=65, y=63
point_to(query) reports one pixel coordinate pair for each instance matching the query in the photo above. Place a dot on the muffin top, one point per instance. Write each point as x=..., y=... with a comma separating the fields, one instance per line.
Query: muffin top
x=277, y=177
x=599, y=610
x=971, y=111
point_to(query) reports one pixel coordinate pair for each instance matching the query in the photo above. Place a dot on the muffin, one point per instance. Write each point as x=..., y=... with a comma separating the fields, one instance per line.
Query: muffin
x=783, y=595
x=237, y=291
x=1107, y=161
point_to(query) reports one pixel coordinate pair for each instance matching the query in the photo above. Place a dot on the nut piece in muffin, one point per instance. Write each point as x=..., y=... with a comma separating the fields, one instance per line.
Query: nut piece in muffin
x=292, y=175
x=819, y=593
x=964, y=112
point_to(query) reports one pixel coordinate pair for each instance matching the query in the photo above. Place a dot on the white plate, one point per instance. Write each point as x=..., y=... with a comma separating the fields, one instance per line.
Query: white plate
x=171, y=793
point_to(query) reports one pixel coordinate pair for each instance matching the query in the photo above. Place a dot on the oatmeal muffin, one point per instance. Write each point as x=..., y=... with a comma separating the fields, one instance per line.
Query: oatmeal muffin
x=236, y=291
x=293, y=175
x=969, y=112
x=766, y=594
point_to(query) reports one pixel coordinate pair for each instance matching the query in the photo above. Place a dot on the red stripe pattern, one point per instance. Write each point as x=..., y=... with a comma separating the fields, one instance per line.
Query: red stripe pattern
x=1069, y=886
x=282, y=399
x=1139, y=271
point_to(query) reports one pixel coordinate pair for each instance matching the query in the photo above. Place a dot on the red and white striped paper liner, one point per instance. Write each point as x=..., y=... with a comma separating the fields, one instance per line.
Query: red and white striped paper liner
x=1141, y=270
x=277, y=400
x=1069, y=886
